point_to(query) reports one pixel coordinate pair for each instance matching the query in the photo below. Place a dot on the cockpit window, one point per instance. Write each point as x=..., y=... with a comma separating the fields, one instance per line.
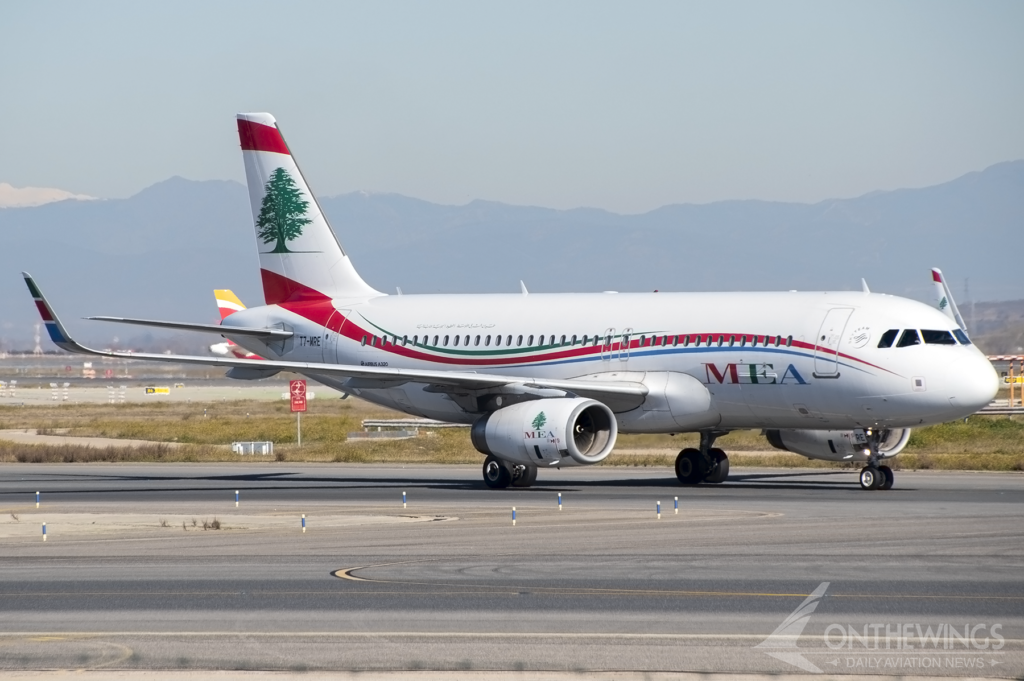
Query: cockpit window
x=940, y=337
x=962, y=337
x=887, y=338
x=908, y=338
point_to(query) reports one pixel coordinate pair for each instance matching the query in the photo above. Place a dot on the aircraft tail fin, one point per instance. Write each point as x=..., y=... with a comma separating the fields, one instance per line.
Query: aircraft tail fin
x=300, y=257
x=227, y=302
x=944, y=299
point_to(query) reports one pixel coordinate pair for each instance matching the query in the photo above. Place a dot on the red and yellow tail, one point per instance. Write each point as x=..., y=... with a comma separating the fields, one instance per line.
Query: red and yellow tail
x=228, y=304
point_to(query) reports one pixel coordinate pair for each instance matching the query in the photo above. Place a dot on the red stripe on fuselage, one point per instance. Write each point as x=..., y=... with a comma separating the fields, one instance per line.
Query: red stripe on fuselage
x=316, y=307
x=259, y=137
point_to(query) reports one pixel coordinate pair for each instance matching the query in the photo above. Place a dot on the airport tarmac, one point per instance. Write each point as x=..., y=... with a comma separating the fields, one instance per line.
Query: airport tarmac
x=775, y=571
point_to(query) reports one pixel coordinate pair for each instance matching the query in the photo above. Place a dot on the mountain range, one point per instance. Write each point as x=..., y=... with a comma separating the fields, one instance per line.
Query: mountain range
x=161, y=252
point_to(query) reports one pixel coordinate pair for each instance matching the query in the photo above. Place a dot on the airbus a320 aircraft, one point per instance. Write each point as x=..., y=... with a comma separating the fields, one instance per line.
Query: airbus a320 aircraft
x=549, y=380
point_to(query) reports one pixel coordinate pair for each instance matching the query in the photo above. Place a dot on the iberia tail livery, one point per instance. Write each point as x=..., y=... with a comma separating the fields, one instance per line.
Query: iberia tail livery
x=550, y=380
x=228, y=304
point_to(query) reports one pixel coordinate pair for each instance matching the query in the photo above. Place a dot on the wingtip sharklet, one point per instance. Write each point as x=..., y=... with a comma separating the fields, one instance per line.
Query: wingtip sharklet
x=58, y=334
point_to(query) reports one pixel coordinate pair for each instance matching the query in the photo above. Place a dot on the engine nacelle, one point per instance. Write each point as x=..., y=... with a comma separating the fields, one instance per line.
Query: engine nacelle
x=839, y=445
x=568, y=430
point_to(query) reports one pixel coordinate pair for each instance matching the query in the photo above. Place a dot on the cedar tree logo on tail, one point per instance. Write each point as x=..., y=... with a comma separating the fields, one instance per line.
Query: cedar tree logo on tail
x=283, y=212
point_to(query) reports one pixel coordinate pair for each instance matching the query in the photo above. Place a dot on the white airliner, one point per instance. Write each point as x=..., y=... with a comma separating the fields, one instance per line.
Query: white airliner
x=549, y=380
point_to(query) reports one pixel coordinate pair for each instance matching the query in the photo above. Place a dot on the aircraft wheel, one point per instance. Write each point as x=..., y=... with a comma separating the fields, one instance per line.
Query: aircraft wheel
x=527, y=475
x=720, y=467
x=887, y=477
x=690, y=467
x=496, y=474
x=871, y=477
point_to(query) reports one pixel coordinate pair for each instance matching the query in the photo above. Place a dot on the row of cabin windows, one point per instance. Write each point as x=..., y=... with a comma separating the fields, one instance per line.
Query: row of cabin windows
x=644, y=340
x=927, y=336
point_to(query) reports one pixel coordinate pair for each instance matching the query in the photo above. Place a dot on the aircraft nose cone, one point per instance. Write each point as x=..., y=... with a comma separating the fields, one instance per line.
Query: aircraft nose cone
x=973, y=383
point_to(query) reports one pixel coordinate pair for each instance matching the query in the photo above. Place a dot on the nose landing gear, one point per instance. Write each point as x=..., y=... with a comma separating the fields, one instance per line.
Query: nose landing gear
x=875, y=475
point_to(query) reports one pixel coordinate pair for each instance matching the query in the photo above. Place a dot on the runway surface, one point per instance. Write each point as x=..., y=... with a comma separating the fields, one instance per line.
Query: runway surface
x=849, y=581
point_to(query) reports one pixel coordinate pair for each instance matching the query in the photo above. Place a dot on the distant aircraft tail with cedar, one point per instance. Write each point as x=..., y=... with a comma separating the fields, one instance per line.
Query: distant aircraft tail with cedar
x=550, y=380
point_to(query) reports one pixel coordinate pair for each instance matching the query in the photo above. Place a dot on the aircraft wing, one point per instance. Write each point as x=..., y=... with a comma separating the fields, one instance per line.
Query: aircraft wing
x=622, y=393
x=275, y=334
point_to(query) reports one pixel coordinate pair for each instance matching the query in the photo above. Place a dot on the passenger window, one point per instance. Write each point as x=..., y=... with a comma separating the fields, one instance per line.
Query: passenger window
x=364, y=341
x=573, y=340
x=940, y=337
x=487, y=341
x=789, y=341
x=416, y=340
x=529, y=341
x=476, y=341
x=519, y=341
x=497, y=341
x=909, y=338
x=732, y=341
x=962, y=337
x=455, y=341
x=405, y=341
x=563, y=340
x=446, y=341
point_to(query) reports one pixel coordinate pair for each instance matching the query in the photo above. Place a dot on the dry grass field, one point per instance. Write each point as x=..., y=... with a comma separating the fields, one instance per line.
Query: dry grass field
x=203, y=431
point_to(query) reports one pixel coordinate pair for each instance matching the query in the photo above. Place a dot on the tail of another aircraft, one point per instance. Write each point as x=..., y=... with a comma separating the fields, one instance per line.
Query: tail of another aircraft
x=944, y=299
x=300, y=257
x=228, y=304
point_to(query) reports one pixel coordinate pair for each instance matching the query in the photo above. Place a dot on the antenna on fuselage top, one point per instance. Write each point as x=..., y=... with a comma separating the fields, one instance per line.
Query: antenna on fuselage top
x=864, y=285
x=522, y=286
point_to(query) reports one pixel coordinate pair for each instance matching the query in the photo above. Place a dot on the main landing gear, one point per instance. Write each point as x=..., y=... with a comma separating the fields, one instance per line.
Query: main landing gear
x=707, y=464
x=500, y=474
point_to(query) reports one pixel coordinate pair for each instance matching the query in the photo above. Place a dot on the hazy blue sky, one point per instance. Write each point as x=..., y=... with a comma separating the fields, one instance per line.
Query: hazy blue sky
x=624, y=106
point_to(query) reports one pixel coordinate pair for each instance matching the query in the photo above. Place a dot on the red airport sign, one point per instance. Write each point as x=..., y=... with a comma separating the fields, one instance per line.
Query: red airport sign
x=297, y=390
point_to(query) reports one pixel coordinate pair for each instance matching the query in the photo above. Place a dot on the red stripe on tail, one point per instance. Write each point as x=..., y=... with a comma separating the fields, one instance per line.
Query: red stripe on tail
x=280, y=289
x=935, y=277
x=259, y=137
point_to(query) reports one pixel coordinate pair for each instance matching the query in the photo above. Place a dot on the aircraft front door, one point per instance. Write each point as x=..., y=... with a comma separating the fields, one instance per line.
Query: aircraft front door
x=826, y=343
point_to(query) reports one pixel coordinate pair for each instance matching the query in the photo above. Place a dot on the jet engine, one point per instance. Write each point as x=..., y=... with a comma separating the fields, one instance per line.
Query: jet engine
x=567, y=431
x=839, y=445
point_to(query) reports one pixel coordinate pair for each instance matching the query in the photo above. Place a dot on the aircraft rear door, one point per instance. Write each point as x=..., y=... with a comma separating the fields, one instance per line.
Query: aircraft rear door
x=826, y=343
x=332, y=334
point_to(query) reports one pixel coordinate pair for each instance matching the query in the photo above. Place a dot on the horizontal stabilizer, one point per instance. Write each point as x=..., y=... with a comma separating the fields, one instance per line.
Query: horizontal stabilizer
x=207, y=328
